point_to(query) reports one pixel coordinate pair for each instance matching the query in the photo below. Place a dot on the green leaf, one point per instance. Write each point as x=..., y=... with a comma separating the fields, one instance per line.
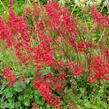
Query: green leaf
x=36, y=98
x=48, y=107
x=20, y=98
x=19, y=86
x=4, y=85
x=26, y=102
x=8, y=93
x=18, y=105
x=42, y=101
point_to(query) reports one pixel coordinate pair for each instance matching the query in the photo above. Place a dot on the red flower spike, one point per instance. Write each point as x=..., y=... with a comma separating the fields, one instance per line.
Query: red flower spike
x=84, y=45
x=43, y=53
x=45, y=90
x=75, y=69
x=91, y=78
x=102, y=20
x=100, y=68
x=9, y=76
x=59, y=87
x=5, y=34
x=53, y=10
x=106, y=52
x=10, y=84
x=56, y=81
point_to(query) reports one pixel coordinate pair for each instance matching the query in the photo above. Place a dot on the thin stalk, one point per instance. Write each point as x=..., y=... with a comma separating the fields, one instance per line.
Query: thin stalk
x=3, y=5
x=102, y=35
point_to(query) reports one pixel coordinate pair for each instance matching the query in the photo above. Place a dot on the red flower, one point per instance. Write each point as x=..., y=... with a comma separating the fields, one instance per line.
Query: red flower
x=61, y=19
x=59, y=87
x=91, y=78
x=100, y=68
x=83, y=46
x=56, y=81
x=9, y=76
x=6, y=34
x=43, y=53
x=102, y=20
x=73, y=42
x=53, y=10
x=45, y=90
x=78, y=70
x=106, y=52
x=75, y=69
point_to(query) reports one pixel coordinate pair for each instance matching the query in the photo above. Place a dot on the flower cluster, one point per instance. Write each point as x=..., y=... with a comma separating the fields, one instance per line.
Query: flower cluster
x=15, y=33
x=106, y=52
x=60, y=20
x=20, y=31
x=44, y=88
x=43, y=53
x=10, y=76
x=102, y=20
x=53, y=10
x=75, y=69
x=83, y=46
x=5, y=33
x=100, y=68
x=56, y=81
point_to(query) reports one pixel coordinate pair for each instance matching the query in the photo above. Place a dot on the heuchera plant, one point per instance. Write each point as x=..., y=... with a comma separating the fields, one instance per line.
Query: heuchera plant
x=50, y=42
